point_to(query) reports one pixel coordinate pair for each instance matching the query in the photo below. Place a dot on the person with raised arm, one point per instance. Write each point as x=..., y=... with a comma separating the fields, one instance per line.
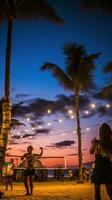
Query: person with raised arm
x=29, y=172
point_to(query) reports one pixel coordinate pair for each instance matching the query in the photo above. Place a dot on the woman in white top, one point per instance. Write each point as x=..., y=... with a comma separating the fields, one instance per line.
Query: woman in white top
x=9, y=174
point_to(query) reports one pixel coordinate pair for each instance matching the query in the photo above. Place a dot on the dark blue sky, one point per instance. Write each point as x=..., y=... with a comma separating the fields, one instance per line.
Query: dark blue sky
x=36, y=42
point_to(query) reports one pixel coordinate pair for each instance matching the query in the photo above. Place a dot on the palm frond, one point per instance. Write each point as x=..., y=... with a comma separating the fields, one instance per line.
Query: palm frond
x=35, y=9
x=108, y=68
x=73, y=53
x=15, y=123
x=59, y=74
x=105, y=5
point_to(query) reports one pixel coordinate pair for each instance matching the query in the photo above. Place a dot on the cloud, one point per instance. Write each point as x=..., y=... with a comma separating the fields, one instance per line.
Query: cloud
x=64, y=143
x=105, y=93
x=37, y=108
x=42, y=131
x=22, y=95
x=103, y=111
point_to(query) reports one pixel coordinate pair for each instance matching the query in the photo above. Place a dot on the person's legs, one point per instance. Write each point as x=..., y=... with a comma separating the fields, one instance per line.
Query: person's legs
x=26, y=184
x=6, y=182
x=109, y=190
x=97, y=192
x=10, y=182
x=31, y=183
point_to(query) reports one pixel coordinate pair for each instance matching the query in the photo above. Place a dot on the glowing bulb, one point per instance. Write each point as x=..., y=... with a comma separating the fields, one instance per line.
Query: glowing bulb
x=93, y=105
x=49, y=124
x=60, y=120
x=30, y=137
x=72, y=116
x=63, y=134
x=74, y=132
x=86, y=112
x=21, y=136
x=26, y=130
x=70, y=111
x=40, y=127
x=49, y=111
x=87, y=129
x=33, y=128
x=107, y=105
x=28, y=119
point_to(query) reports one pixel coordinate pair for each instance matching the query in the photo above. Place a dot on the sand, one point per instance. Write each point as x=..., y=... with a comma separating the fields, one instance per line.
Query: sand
x=55, y=191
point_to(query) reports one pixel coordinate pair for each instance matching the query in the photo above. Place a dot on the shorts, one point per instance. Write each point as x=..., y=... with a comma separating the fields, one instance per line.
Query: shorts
x=29, y=172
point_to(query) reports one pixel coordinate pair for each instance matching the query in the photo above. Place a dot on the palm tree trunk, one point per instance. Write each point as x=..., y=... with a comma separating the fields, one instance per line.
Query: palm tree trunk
x=6, y=104
x=80, y=178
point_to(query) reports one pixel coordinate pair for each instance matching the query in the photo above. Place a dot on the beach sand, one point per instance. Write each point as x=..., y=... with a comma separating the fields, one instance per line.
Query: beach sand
x=54, y=191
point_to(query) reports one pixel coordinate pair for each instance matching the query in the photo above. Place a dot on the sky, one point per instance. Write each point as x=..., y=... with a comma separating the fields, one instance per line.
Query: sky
x=36, y=42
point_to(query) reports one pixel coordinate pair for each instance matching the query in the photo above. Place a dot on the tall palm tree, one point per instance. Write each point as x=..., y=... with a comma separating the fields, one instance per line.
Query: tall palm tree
x=10, y=10
x=77, y=76
x=105, y=5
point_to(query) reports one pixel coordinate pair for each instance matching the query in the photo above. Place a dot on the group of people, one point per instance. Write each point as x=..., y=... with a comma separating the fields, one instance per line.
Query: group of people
x=102, y=172
x=29, y=171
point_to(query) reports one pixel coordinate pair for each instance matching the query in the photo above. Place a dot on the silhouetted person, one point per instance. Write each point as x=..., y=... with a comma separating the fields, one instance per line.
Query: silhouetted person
x=30, y=171
x=9, y=174
x=103, y=164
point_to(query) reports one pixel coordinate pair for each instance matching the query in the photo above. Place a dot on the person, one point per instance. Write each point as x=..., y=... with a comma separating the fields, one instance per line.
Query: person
x=30, y=171
x=102, y=149
x=70, y=172
x=9, y=173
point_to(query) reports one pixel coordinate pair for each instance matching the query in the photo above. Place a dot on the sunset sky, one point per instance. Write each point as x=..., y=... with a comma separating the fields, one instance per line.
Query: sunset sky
x=37, y=42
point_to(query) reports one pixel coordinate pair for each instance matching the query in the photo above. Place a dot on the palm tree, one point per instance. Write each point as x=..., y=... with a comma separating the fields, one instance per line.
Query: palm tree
x=77, y=76
x=11, y=10
x=105, y=5
x=108, y=90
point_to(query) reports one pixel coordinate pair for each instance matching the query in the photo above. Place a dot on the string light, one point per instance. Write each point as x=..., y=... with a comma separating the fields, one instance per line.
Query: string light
x=93, y=105
x=28, y=119
x=60, y=120
x=49, y=111
x=87, y=129
x=63, y=134
x=26, y=130
x=33, y=128
x=49, y=124
x=40, y=127
x=72, y=117
x=70, y=111
x=107, y=105
x=86, y=112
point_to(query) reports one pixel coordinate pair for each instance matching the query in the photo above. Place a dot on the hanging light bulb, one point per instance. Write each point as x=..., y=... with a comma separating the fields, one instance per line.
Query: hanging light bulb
x=86, y=112
x=70, y=111
x=28, y=119
x=93, y=105
x=49, y=124
x=87, y=129
x=60, y=120
x=72, y=116
x=107, y=105
x=49, y=111
x=40, y=127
